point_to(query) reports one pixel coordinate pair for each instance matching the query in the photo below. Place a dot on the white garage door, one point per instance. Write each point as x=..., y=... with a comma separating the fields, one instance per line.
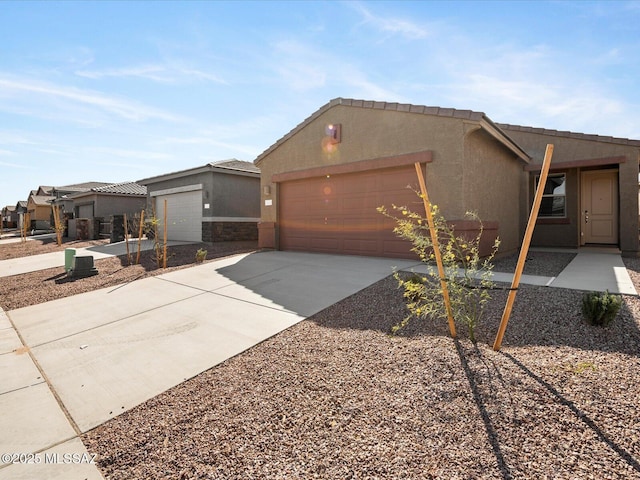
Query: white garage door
x=184, y=215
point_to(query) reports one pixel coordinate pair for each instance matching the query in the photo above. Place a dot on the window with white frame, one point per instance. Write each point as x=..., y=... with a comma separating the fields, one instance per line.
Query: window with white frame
x=554, y=198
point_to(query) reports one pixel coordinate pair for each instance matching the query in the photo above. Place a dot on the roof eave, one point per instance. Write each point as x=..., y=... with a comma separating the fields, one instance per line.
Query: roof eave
x=493, y=130
x=196, y=171
x=233, y=171
x=173, y=175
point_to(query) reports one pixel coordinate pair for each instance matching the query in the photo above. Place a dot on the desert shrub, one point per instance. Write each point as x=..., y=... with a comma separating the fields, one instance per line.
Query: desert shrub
x=600, y=308
x=201, y=255
x=466, y=273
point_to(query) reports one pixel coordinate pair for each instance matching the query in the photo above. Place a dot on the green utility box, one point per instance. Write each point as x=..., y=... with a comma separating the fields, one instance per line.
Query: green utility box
x=69, y=253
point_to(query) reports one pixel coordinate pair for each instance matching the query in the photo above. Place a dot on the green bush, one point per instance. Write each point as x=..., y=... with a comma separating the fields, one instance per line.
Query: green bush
x=467, y=274
x=201, y=255
x=600, y=308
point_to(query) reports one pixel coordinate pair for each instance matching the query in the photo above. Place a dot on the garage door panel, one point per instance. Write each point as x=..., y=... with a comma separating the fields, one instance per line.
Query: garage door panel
x=365, y=184
x=184, y=215
x=339, y=214
x=361, y=247
x=326, y=244
x=324, y=205
x=398, y=179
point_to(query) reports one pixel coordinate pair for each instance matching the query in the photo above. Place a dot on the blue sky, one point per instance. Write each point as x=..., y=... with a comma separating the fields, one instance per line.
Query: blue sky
x=119, y=91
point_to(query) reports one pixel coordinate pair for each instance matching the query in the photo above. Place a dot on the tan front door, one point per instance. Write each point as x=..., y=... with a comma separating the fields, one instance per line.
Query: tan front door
x=599, y=215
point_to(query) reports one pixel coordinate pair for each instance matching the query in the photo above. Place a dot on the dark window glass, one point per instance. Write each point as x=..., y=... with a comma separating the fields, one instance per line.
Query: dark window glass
x=554, y=196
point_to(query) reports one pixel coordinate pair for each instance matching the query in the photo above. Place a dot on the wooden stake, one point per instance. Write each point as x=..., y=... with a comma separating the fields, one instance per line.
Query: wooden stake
x=524, y=250
x=164, y=253
x=126, y=238
x=436, y=249
x=26, y=225
x=140, y=236
x=56, y=224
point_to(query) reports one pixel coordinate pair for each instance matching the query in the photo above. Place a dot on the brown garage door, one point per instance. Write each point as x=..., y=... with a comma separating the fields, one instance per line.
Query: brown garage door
x=337, y=213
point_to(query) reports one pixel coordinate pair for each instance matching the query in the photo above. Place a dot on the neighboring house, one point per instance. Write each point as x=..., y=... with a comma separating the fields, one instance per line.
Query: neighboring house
x=62, y=195
x=9, y=217
x=322, y=182
x=110, y=199
x=21, y=210
x=215, y=202
x=39, y=208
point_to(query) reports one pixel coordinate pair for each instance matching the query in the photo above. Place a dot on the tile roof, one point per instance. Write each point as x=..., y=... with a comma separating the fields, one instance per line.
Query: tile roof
x=578, y=136
x=123, y=188
x=80, y=187
x=42, y=199
x=471, y=115
x=234, y=164
x=389, y=106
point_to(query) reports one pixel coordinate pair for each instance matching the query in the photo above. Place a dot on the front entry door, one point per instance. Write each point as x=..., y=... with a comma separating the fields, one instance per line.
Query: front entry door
x=599, y=207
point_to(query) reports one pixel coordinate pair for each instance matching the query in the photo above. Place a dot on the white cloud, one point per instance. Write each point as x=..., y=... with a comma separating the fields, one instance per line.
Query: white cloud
x=304, y=68
x=126, y=153
x=391, y=25
x=160, y=73
x=300, y=67
x=250, y=150
x=13, y=165
x=41, y=99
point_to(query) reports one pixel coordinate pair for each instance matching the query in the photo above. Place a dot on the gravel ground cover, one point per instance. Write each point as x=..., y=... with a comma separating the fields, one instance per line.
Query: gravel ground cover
x=39, y=246
x=336, y=396
x=42, y=286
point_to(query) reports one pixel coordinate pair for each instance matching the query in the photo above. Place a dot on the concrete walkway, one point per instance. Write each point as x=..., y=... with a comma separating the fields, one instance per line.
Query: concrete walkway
x=590, y=270
x=33, y=263
x=74, y=363
x=596, y=270
x=69, y=365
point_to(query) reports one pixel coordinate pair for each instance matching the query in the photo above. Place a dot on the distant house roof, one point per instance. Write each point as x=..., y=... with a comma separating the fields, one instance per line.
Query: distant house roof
x=231, y=166
x=41, y=200
x=560, y=133
x=234, y=164
x=470, y=115
x=21, y=205
x=78, y=187
x=10, y=208
x=122, y=188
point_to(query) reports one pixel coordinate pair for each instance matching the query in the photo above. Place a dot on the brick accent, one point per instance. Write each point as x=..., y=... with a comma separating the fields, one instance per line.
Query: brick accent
x=229, y=231
x=267, y=237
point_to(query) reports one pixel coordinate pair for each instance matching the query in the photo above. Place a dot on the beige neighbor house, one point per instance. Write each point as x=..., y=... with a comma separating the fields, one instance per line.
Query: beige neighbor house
x=322, y=182
x=39, y=208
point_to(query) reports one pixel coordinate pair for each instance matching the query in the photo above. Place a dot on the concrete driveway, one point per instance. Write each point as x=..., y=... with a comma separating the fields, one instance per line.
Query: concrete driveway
x=74, y=363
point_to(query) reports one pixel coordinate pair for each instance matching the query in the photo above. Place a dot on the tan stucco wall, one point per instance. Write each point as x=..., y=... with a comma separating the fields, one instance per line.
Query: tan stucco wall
x=574, y=149
x=492, y=183
x=39, y=212
x=369, y=134
x=470, y=169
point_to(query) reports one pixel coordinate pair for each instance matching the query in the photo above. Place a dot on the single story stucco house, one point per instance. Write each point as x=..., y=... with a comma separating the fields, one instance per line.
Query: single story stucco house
x=215, y=202
x=322, y=182
x=39, y=208
x=96, y=206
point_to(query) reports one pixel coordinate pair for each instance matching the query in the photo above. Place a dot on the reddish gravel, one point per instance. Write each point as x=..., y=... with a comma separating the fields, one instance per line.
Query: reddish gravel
x=336, y=397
